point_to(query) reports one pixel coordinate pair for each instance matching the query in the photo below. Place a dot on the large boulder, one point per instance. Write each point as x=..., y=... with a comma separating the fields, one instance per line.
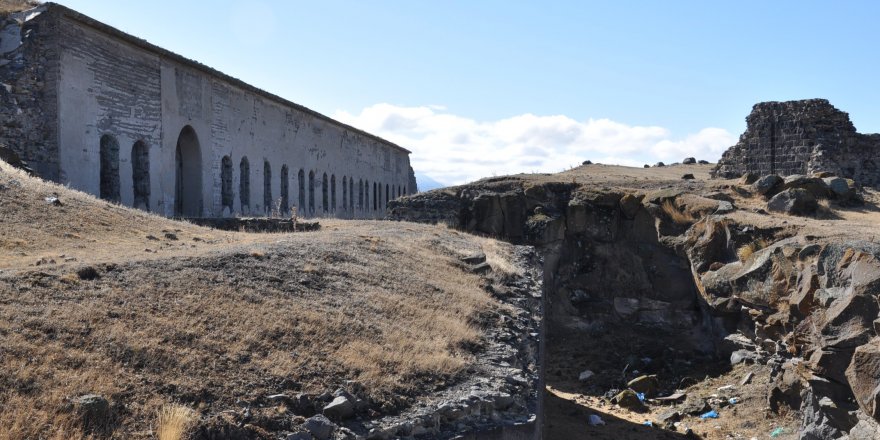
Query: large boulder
x=689, y=161
x=863, y=375
x=793, y=201
x=814, y=185
x=767, y=184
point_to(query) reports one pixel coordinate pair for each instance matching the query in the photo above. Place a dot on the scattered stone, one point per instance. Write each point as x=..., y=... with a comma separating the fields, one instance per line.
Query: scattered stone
x=674, y=397
x=767, y=184
x=171, y=236
x=863, y=375
x=740, y=356
x=340, y=408
x=647, y=384
x=794, y=201
x=476, y=258
x=299, y=436
x=667, y=419
x=747, y=378
x=748, y=179
x=659, y=164
x=703, y=162
x=319, y=426
x=481, y=268
x=53, y=201
x=646, y=166
x=688, y=176
x=629, y=399
x=689, y=161
x=587, y=162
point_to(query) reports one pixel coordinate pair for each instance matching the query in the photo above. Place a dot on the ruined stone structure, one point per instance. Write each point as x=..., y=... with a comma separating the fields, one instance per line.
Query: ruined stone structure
x=88, y=106
x=802, y=137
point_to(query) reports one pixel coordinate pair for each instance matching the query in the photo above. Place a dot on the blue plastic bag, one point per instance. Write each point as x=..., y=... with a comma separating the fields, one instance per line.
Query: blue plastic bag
x=710, y=415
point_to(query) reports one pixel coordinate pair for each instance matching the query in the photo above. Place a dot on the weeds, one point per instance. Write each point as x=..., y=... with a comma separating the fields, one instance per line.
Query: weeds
x=678, y=217
x=174, y=422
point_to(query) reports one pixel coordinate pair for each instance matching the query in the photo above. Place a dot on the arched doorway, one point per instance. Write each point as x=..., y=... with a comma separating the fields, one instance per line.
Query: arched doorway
x=188, y=175
x=109, y=168
x=140, y=173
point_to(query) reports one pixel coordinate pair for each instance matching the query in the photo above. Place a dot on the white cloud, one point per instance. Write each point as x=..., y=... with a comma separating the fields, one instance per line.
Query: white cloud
x=454, y=149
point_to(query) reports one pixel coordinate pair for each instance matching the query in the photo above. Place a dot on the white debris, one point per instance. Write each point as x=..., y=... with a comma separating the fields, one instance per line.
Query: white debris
x=585, y=375
x=595, y=420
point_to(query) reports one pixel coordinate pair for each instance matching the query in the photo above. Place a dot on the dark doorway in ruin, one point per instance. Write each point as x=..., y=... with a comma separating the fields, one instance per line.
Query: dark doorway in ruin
x=351, y=194
x=285, y=191
x=302, y=192
x=344, y=193
x=109, y=168
x=188, y=175
x=333, y=192
x=366, y=195
x=140, y=173
x=226, y=183
x=311, y=192
x=324, y=187
x=244, y=184
x=387, y=194
x=375, y=200
x=267, y=187
x=360, y=195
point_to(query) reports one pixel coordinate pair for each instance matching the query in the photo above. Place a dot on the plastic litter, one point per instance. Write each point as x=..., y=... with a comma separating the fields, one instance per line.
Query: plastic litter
x=641, y=396
x=648, y=423
x=710, y=415
x=777, y=432
x=733, y=400
x=585, y=375
x=595, y=420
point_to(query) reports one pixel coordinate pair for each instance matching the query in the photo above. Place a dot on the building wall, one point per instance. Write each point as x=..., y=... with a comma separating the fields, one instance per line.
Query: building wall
x=112, y=87
x=801, y=137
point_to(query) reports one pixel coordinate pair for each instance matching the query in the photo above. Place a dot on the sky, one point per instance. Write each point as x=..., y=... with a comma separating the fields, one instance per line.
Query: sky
x=483, y=88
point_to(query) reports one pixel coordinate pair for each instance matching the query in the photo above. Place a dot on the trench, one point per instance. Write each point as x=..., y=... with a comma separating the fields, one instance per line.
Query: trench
x=621, y=309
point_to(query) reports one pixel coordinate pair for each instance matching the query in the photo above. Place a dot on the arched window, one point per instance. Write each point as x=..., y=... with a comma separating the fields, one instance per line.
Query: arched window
x=351, y=194
x=226, y=182
x=285, y=191
x=333, y=192
x=302, y=193
x=140, y=173
x=344, y=193
x=109, y=168
x=325, y=205
x=311, y=192
x=360, y=194
x=188, y=200
x=267, y=187
x=244, y=184
x=375, y=199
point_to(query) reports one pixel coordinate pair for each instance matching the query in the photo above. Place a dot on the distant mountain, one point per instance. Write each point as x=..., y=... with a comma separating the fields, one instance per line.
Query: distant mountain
x=426, y=183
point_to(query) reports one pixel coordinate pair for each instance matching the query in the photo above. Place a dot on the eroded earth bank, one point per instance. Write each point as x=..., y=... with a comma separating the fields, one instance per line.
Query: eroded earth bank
x=692, y=308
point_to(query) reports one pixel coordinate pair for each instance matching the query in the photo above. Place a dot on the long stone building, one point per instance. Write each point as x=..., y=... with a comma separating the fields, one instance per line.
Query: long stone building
x=89, y=106
x=802, y=137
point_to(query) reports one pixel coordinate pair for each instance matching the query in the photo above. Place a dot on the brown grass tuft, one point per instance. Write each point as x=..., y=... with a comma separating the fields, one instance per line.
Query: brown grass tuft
x=678, y=217
x=745, y=251
x=174, y=422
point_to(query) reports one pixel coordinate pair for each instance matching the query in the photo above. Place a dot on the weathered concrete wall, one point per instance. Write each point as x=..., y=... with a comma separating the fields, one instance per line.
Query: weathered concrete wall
x=116, y=90
x=801, y=137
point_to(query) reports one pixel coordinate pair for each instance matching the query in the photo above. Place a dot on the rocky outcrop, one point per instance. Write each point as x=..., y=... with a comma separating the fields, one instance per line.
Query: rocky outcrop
x=670, y=259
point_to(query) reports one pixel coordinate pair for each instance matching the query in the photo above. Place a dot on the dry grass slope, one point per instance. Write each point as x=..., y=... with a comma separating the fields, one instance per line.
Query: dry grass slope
x=212, y=318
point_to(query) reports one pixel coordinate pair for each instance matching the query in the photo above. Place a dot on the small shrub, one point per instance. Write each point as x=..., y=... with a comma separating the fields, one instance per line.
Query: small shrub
x=745, y=251
x=678, y=217
x=174, y=422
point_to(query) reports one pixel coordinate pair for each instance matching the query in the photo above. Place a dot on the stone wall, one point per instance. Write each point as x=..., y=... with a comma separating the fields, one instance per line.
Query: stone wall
x=802, y=137
x=29, y=70
x=97, y=109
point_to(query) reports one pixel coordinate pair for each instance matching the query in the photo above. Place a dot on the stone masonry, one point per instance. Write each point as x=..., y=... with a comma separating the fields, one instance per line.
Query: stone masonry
x=86, y=105
x=802, y=137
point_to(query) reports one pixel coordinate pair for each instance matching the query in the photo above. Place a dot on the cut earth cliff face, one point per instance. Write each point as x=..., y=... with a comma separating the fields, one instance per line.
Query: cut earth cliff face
x=685, y=260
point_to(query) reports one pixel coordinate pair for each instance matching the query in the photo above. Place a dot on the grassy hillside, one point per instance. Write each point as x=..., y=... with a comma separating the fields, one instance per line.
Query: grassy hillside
x=100, y=299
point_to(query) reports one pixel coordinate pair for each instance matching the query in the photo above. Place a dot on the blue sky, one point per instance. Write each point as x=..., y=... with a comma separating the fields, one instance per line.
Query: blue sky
x=479, y=88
